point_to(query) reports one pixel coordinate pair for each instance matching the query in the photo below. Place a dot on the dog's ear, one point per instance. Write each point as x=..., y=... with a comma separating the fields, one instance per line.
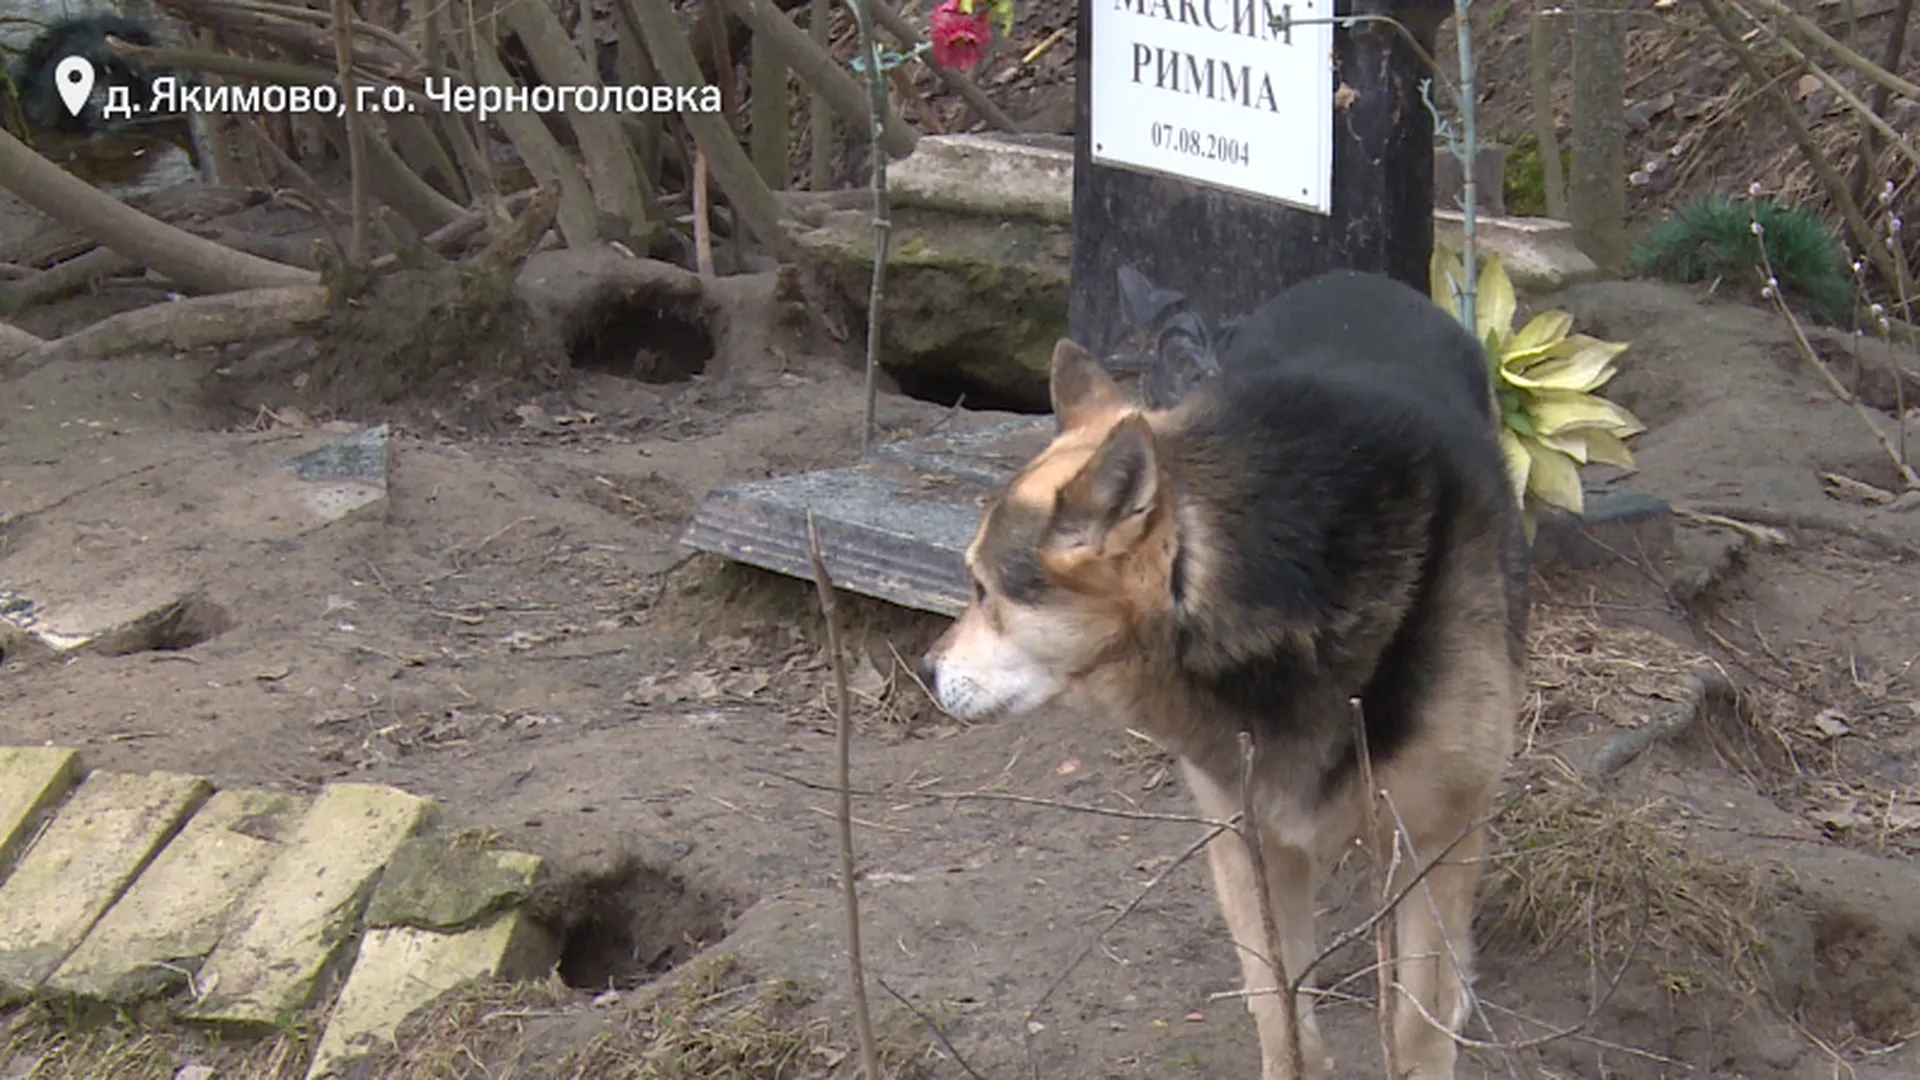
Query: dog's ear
x=1105, y=509
x=1081, y=388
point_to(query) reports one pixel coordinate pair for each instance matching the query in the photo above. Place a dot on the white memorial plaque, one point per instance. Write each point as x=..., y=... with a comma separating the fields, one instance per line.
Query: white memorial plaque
x=1209, y=91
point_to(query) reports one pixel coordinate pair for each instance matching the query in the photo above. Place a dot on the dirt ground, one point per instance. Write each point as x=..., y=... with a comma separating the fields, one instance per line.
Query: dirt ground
x=523, y=639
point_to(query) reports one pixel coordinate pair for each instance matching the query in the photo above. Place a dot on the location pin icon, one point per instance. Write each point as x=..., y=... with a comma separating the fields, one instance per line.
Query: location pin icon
x=74, y=77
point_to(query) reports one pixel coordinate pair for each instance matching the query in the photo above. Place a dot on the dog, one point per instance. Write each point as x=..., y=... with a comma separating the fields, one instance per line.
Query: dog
x=1319, y=547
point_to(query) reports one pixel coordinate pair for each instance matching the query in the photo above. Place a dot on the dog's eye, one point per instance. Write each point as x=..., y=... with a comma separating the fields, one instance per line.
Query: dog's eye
x=979, y=591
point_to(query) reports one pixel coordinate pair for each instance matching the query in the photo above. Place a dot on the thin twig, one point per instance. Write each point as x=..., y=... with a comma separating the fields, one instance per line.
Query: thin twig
x=1468, y=151
x=843, y=743
x=702, y=227
x=1269, y=925
x=882, y=227
x=1012, y=797
x=939, y=1033
x=1789, y=114
x=1093, y=942
x=1907, y=475
x=1366, y=926
x=356, y=133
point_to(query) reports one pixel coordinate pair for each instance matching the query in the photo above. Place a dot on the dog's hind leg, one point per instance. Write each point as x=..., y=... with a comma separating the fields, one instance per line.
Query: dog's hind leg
x=1434, y=947
x=1290, y=885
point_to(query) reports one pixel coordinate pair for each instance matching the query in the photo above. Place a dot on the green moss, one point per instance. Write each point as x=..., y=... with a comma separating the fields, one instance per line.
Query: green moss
x=1713, y=238
x=966, y=296
x=1525, y=182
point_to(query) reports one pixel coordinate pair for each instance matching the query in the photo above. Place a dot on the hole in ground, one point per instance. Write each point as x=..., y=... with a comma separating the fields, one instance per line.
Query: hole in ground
x=189, y=621
x=626, y=926
x=943, y=384
x=641, y=341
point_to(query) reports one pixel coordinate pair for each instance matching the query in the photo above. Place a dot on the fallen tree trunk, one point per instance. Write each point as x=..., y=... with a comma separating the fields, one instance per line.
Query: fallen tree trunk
x=62, y=279
x=198, y=264
x=749, y=195
x=820, y=71
x=251, y=315
x=53, y=242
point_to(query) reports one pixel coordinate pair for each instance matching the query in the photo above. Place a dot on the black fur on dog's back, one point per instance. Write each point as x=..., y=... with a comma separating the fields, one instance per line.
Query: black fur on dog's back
x=1347, y=489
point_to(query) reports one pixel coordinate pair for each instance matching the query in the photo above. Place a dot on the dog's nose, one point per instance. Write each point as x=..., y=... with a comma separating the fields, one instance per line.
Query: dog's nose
x=925, y=669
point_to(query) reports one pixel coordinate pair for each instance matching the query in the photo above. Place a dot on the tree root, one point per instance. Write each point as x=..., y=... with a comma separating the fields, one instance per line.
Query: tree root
x=204, y=321
x=1753, y=515
x=1707, y=688
x=197, y=263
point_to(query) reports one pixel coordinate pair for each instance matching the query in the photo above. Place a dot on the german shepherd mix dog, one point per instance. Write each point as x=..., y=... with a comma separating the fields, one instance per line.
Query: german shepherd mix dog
x=1329, y=518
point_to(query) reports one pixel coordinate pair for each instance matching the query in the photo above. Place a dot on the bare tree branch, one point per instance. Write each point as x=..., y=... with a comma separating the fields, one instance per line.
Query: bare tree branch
x=843, y=751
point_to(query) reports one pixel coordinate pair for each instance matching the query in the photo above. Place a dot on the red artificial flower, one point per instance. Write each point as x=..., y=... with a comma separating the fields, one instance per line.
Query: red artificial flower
x=959, y=39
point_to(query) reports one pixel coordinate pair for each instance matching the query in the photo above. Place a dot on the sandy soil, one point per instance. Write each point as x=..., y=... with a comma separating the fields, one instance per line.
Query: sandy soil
x=523, y=639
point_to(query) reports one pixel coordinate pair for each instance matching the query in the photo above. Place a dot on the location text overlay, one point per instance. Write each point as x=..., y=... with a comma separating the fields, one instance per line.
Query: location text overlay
x=171, y=95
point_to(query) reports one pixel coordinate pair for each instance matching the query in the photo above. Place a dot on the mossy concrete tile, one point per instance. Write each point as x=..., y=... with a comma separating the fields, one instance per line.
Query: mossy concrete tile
x=286, y=934
x=450, y=883
x=401, y=971
x=160, y=932
x=32, y=778
x=94, y=847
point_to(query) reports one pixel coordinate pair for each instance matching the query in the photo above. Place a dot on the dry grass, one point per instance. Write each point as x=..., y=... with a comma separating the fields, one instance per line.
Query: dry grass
x=713, y=1019
x=1581, y=870
x=46, y=1042
x=1579, y=668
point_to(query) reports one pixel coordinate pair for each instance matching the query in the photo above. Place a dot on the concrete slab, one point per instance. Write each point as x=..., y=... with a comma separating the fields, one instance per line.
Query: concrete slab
x=990, y=175
x=884, y=531
x=895, y=527
x=287, y=933
x=345, y=478
x=450, y=883
x=32, y=779
x=400, y=971
x=1539, y=253
x=98, y=842
x=157, y=936
x=121, y=613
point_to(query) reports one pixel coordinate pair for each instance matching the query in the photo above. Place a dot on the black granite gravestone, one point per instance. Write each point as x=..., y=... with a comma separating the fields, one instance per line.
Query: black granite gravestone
x=1192, y=68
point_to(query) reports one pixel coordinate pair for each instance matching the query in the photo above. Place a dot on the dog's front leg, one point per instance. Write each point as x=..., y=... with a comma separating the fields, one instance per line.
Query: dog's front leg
x=1290, y=884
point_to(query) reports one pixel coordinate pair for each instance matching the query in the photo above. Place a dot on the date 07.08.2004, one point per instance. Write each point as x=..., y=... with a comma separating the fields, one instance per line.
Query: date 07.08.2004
x=1198, y=144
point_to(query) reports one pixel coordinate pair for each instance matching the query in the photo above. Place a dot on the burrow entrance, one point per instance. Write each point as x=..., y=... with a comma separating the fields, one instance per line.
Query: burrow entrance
x=628, y=925
x=189, y=621
x=641, y=340
x=944, y=384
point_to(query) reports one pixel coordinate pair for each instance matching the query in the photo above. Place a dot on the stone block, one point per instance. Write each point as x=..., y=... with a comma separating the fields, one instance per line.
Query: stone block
x=96, y=844
x=32, y=779
x=156, y=938
x=118, y=613
x=346, y=478
x=1538, y=253
x=400, y=971
x=287, y=933
x=449, y=884
x=994, y=176
x=971, y=301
